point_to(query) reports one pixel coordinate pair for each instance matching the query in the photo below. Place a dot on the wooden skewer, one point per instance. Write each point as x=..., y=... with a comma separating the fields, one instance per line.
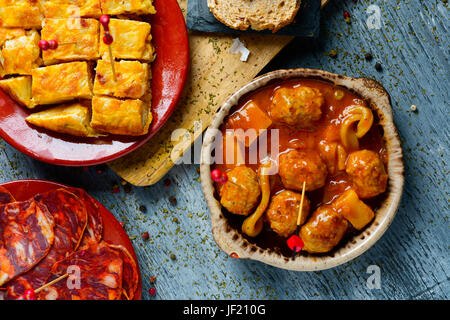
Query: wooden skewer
x=51, y=283
x=113, y=67
x=300, y=210
x=299, y=218
x=108, y=40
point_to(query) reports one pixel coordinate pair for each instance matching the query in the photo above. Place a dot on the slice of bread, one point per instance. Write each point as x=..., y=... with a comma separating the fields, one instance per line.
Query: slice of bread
x=257, y=14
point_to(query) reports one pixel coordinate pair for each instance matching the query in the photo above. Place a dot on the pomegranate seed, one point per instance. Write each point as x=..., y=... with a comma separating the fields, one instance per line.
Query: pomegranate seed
x=346, y=14
x=152, y=292
x=145, y=236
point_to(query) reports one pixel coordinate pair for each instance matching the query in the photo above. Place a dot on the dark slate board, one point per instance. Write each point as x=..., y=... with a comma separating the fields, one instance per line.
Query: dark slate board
x=306, y=24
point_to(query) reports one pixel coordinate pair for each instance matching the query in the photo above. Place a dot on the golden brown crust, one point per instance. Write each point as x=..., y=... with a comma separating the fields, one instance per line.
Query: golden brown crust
x=73, y=119
x=133, y=79
x=72, y=8
x=20, y=13
x=21, y=55
x=116, y=7
x=78, y=39
x=19, y=89
x=132, y=40
x=10, y=33
x=122, y=117
x=62, y=82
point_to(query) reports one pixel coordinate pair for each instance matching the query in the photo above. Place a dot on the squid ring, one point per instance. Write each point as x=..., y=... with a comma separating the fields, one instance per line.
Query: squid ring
x=364, y=117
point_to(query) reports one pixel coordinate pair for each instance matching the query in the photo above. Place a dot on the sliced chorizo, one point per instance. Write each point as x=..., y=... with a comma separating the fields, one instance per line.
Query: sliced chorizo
x=26, y=237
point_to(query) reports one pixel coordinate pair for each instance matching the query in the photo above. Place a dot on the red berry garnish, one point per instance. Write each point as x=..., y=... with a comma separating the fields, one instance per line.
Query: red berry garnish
x=215, y=175
x=145, y=236
x=116, y=189
x=44, y=45
x=219, y=176
x=295, y=242
x=152, y=292
x=104, y=20
x=29, y=295
x=346, y=14
x=53, y=44
x=223, y=178
x=108, y=39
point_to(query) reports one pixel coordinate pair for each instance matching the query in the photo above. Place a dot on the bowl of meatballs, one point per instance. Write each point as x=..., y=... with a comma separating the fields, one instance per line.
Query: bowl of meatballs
x=304, y=153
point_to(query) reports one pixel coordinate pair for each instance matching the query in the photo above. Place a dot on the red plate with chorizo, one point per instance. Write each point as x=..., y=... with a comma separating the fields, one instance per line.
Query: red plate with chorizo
x=70, y=231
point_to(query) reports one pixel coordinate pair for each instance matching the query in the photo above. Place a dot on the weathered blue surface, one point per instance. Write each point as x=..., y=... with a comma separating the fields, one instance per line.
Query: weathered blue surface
x=413, y=255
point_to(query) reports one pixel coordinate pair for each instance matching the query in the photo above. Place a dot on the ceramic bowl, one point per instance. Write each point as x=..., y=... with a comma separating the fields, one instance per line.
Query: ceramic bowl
x=231, y=240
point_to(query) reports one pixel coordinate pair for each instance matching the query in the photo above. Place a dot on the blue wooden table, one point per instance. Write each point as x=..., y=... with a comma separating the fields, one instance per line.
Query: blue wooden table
x=413, y=255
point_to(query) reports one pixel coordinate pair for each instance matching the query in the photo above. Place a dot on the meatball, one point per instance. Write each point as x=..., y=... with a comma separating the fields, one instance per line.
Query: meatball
x=324, y=230
x=240, y=195
x=367, y=172
x=298, y=166
x=299, y=106
x=283, y=212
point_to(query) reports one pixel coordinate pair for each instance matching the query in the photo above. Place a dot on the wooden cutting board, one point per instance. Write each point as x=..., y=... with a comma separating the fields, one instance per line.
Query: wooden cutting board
x=215, y=74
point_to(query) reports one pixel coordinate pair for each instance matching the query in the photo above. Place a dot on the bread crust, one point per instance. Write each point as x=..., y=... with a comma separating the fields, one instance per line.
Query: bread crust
x=256, y=14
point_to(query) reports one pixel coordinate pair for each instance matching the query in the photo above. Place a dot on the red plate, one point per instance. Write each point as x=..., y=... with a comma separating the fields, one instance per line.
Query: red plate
x=112, y=230
x=169, y=75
